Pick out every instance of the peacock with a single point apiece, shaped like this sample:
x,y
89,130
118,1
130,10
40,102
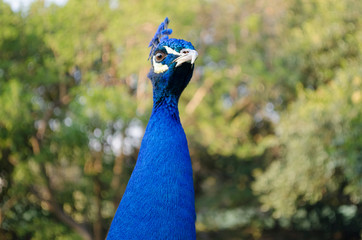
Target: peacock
x,y
159,201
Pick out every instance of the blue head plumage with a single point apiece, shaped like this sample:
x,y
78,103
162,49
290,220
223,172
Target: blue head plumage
x,y
172,63
159,201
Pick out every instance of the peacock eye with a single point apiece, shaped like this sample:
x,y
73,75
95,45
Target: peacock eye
x,y
159,56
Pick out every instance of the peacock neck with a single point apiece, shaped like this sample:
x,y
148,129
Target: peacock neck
x,y
159,201
166,106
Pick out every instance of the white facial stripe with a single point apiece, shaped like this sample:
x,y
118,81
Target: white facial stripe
x,y
171,51
159,67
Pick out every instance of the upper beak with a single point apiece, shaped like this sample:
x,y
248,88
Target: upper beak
x,y
188,55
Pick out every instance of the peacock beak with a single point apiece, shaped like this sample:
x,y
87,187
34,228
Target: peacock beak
x,y
186,55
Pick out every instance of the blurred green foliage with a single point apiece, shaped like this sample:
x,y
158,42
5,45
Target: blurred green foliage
x,y
273,115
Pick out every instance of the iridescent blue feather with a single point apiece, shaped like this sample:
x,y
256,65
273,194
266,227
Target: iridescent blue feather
x,y
161,35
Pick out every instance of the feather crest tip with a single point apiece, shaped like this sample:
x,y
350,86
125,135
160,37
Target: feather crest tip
x,y
160,35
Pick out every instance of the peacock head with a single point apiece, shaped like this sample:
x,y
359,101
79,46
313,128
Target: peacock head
x,y
172,63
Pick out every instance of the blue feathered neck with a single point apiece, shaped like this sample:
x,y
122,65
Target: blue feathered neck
x,y
159,201
167,88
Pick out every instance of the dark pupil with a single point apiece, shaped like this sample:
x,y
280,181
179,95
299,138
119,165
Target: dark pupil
x,y
159,56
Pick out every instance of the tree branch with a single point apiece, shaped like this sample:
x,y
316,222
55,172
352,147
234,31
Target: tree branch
x,y
58,211
198,97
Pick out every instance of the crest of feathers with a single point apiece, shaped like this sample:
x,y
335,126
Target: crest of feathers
x,y
161,34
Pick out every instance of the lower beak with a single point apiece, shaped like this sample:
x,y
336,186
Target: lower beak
x,y
190,56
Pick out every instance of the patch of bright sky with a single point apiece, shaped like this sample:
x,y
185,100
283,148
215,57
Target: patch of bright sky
x,y
20,5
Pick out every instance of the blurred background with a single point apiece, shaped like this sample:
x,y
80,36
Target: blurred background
x,y
273,115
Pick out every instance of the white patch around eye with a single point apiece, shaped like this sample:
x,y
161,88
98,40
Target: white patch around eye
x,y
171,51
159,67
